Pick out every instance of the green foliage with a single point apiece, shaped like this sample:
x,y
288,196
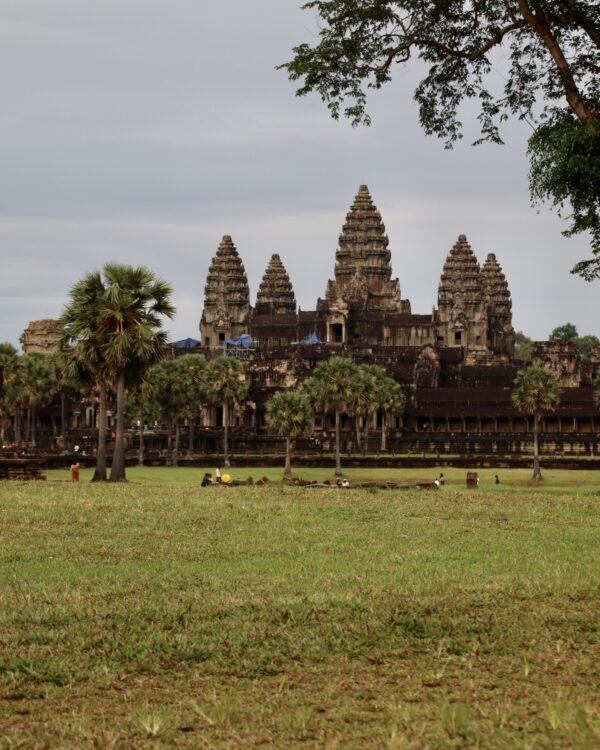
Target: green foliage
x,y
111,332
225,381
175,388
132,306
585,343
535,391
333,383
551,53
564,334
596,386
162,393
523,347
567,333
289,414
392,398
80,345
8,362
32,381
565,171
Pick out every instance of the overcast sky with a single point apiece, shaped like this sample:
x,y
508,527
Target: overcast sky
x,y
141,131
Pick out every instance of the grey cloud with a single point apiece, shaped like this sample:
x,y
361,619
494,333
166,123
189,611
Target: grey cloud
x,y
144,130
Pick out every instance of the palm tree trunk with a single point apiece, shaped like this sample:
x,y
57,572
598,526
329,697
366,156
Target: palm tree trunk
x,y
287,472
100,470
141,437
175,461
338,457
117,472
27,426
357,432
63,422
191,435
384,432
18,437
367,425
170,441
537,472
32,417
226,434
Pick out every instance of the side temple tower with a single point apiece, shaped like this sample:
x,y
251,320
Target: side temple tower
x,y
226,311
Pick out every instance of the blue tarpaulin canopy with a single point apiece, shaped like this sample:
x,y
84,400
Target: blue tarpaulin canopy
x,y
186,344
244,341
312,339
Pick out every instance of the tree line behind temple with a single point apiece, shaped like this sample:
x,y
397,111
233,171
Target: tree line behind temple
x,y
111,340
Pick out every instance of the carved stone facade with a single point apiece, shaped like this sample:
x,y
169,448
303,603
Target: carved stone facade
x,y
40,336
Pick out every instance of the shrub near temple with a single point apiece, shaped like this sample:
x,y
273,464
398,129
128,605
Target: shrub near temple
x,y
226,386
535,392
289,415
332,387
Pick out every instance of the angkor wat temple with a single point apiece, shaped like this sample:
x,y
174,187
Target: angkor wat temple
x,y
456,364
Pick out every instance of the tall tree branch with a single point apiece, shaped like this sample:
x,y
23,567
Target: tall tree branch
x,y
539,23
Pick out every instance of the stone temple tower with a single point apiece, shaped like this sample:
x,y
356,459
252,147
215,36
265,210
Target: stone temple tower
x,y
275,294
363,276
501,335
461,317
226,297
363,272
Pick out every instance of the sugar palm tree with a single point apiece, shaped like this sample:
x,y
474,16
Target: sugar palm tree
x,y
226,386
113,323
391,401
372,376
332,387
33,384
289,415
170,391
130,325
80,348
194,371
535,392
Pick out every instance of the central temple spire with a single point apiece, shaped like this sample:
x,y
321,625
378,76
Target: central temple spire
x,y
363,272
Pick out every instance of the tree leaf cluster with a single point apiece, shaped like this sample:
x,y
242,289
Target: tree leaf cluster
x,y
549,52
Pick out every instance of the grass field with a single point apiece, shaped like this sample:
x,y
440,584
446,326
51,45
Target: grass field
x,y
157,614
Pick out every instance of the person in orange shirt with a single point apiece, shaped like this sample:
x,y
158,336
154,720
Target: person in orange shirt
x,y
75,472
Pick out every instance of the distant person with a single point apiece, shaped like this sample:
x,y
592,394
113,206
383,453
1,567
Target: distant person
x,y
206,480
75,472
76,449
442,479
345,483
218,477
497,479
437,482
